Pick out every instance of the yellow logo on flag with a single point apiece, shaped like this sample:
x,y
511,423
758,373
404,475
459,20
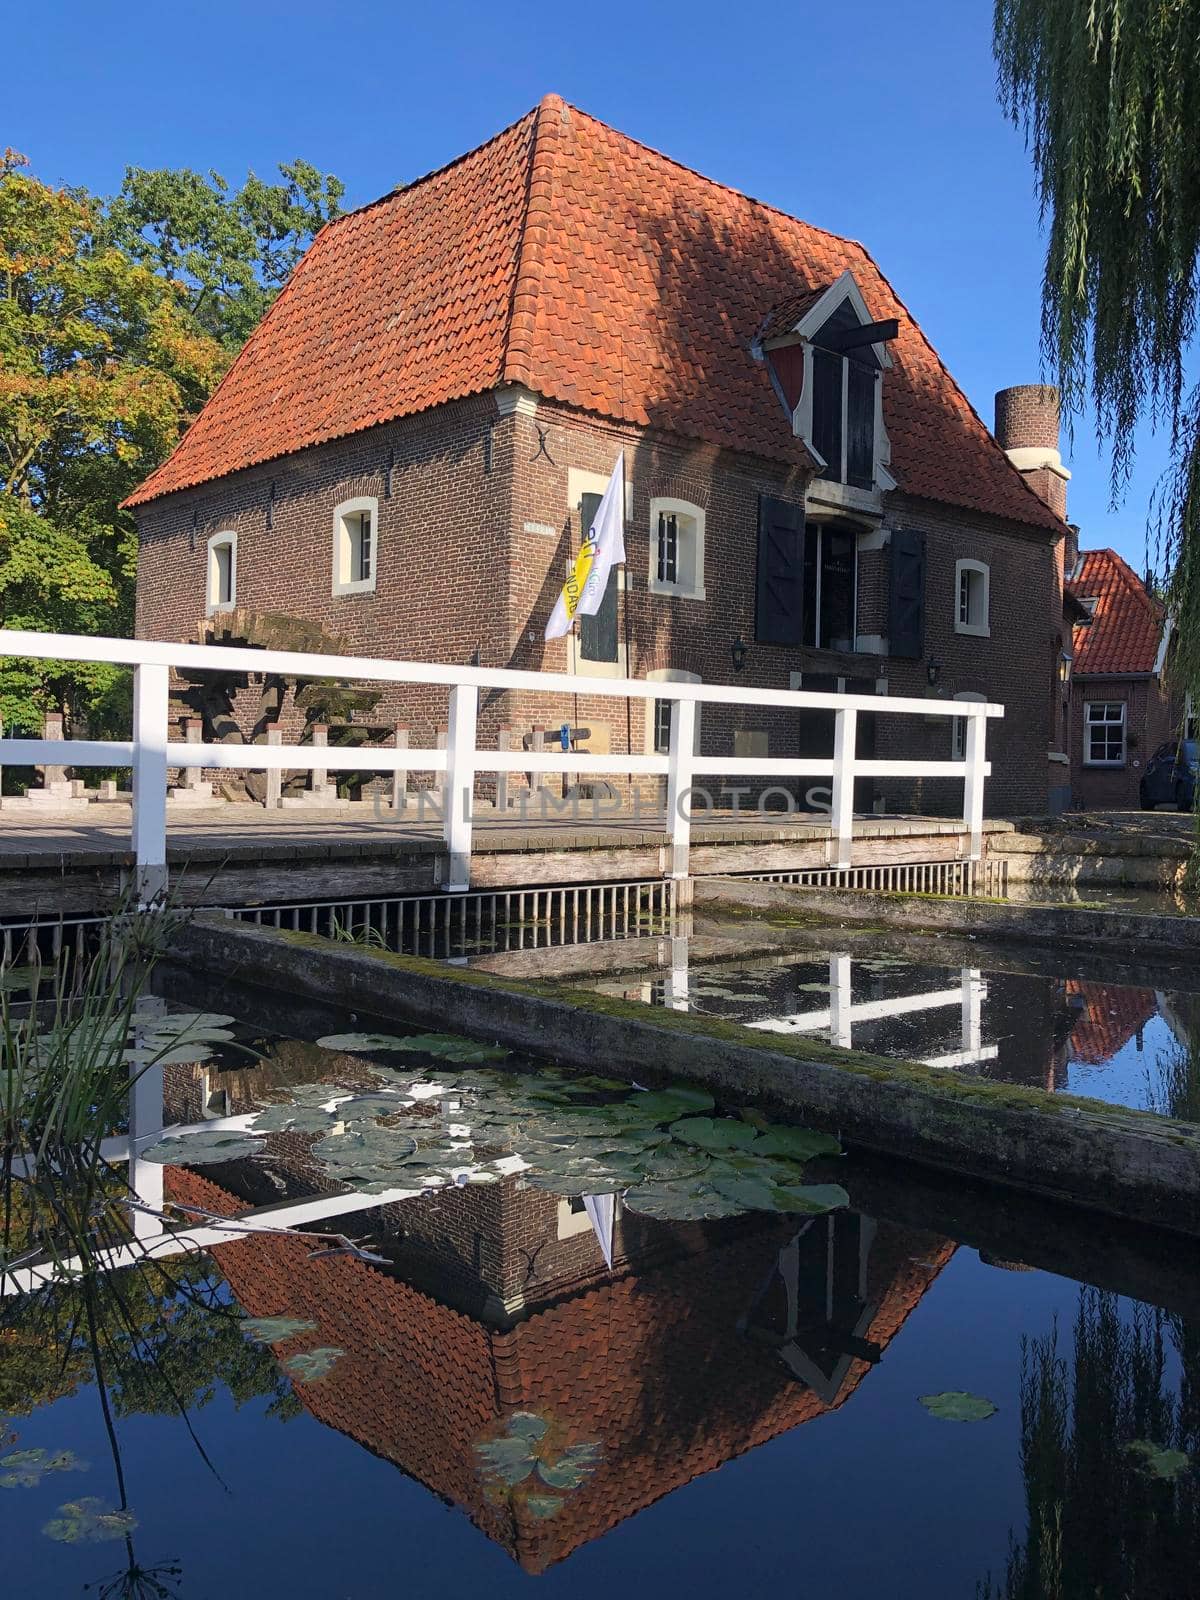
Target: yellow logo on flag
x,y
578,576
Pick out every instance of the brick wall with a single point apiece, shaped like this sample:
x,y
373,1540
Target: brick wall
x,y
474,541
1149,722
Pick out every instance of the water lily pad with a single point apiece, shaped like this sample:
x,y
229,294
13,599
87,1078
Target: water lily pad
x,y
293,1119
1155,1460
25,1469
544,1506
176,1022
798,1144
572,1187
674,1162
310,1366
812,1199
368,1107
714,1133
692,1202
199,1149
270,1330
572,1469
88,1520
685,1096
751,1194
446,1046
527,1425
364,1147
167,1054
956,1405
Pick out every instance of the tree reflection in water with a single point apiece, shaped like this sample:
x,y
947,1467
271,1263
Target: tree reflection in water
x,y
1102,1525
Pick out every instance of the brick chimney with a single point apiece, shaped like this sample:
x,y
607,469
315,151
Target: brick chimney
x,y
1027,432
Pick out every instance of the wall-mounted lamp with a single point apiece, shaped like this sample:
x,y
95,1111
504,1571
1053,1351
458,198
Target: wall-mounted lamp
x,y
1065,663
737,651
933,670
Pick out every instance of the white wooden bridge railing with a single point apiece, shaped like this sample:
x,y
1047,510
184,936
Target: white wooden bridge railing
x,y
151,753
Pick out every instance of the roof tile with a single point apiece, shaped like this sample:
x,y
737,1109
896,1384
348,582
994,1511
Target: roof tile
x,y
1126,627
564,256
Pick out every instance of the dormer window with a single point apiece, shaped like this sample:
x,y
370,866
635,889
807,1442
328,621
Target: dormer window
x,y
827,360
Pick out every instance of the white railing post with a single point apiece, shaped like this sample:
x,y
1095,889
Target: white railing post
x,y
842,808
973,786
841,1002
151,684
459,791
503,742
679,784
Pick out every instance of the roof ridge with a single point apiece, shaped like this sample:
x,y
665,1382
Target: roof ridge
x,y
682,166
516,358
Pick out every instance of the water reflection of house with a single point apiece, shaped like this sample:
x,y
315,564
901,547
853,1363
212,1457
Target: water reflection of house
x,y
705,1341
1108,1016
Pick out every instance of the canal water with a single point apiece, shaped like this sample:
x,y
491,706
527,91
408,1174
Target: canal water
x,y
527,1380
1126,1043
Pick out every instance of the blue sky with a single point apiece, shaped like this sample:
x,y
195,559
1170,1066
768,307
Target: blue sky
x,y
874,119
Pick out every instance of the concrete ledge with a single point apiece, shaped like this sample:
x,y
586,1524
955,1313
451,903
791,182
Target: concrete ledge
x,y
1168,936
1124,1163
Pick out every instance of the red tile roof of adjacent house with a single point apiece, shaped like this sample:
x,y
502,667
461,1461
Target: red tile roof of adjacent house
x,y
1109,1017
566,257
1127,621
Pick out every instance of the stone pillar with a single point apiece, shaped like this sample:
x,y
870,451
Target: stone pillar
x,y
400,775
193,733
52,728
537,743
319,786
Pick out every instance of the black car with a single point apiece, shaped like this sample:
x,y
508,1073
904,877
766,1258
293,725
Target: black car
x,y
1170,776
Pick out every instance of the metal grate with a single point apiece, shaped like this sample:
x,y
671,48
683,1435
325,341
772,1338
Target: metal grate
x,y
453,927
987,879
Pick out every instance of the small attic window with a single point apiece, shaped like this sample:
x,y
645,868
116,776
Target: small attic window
x,y
826,358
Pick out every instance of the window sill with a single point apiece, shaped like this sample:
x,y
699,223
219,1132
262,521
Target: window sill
x,y
971,631
342,589
671,590
223,608
1106,766
844,497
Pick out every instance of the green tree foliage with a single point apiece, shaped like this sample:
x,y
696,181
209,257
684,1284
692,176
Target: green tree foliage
x,y
1108,93
117,320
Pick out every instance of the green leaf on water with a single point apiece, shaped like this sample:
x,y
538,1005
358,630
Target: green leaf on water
x,y
667,1104
25,1469
293,1119
1153,1459
310,1366
714,1133
270,1330
797,1144
199,1149
572,1469
445,1046
177,1022
956,1405
682,1202
527,1425
812,1199
544,1506
87,1520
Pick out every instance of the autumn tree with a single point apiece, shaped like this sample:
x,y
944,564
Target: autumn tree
x,y
117,320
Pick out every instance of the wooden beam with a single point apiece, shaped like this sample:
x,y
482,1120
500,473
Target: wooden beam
x,y
870,333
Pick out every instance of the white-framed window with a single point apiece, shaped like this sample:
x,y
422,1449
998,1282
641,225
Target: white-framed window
x,y
676,549
958,727
355,545
658,712
1104,733
972,598
222,572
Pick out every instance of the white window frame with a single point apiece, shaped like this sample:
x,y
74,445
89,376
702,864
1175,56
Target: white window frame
x,y
1090,722
977,629
668,675
343,546
227,539
958,726
689,549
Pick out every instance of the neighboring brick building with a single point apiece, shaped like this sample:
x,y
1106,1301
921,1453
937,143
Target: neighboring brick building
x,y
1121,709
405,448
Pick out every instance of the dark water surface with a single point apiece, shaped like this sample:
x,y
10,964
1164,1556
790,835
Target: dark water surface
x,y
1127,1043
734,1407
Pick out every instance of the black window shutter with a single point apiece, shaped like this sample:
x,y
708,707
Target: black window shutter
x,y
598,634
860,426
827,411
906,608
780,618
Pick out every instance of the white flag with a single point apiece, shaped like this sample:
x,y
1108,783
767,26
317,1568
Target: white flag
x,y
603,548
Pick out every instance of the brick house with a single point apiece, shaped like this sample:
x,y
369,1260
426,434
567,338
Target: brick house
x,y
1121,706
404,450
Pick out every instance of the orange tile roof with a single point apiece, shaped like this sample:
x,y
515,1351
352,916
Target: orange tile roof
x,y
1127,623
564,256
651,1364
1109,1017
